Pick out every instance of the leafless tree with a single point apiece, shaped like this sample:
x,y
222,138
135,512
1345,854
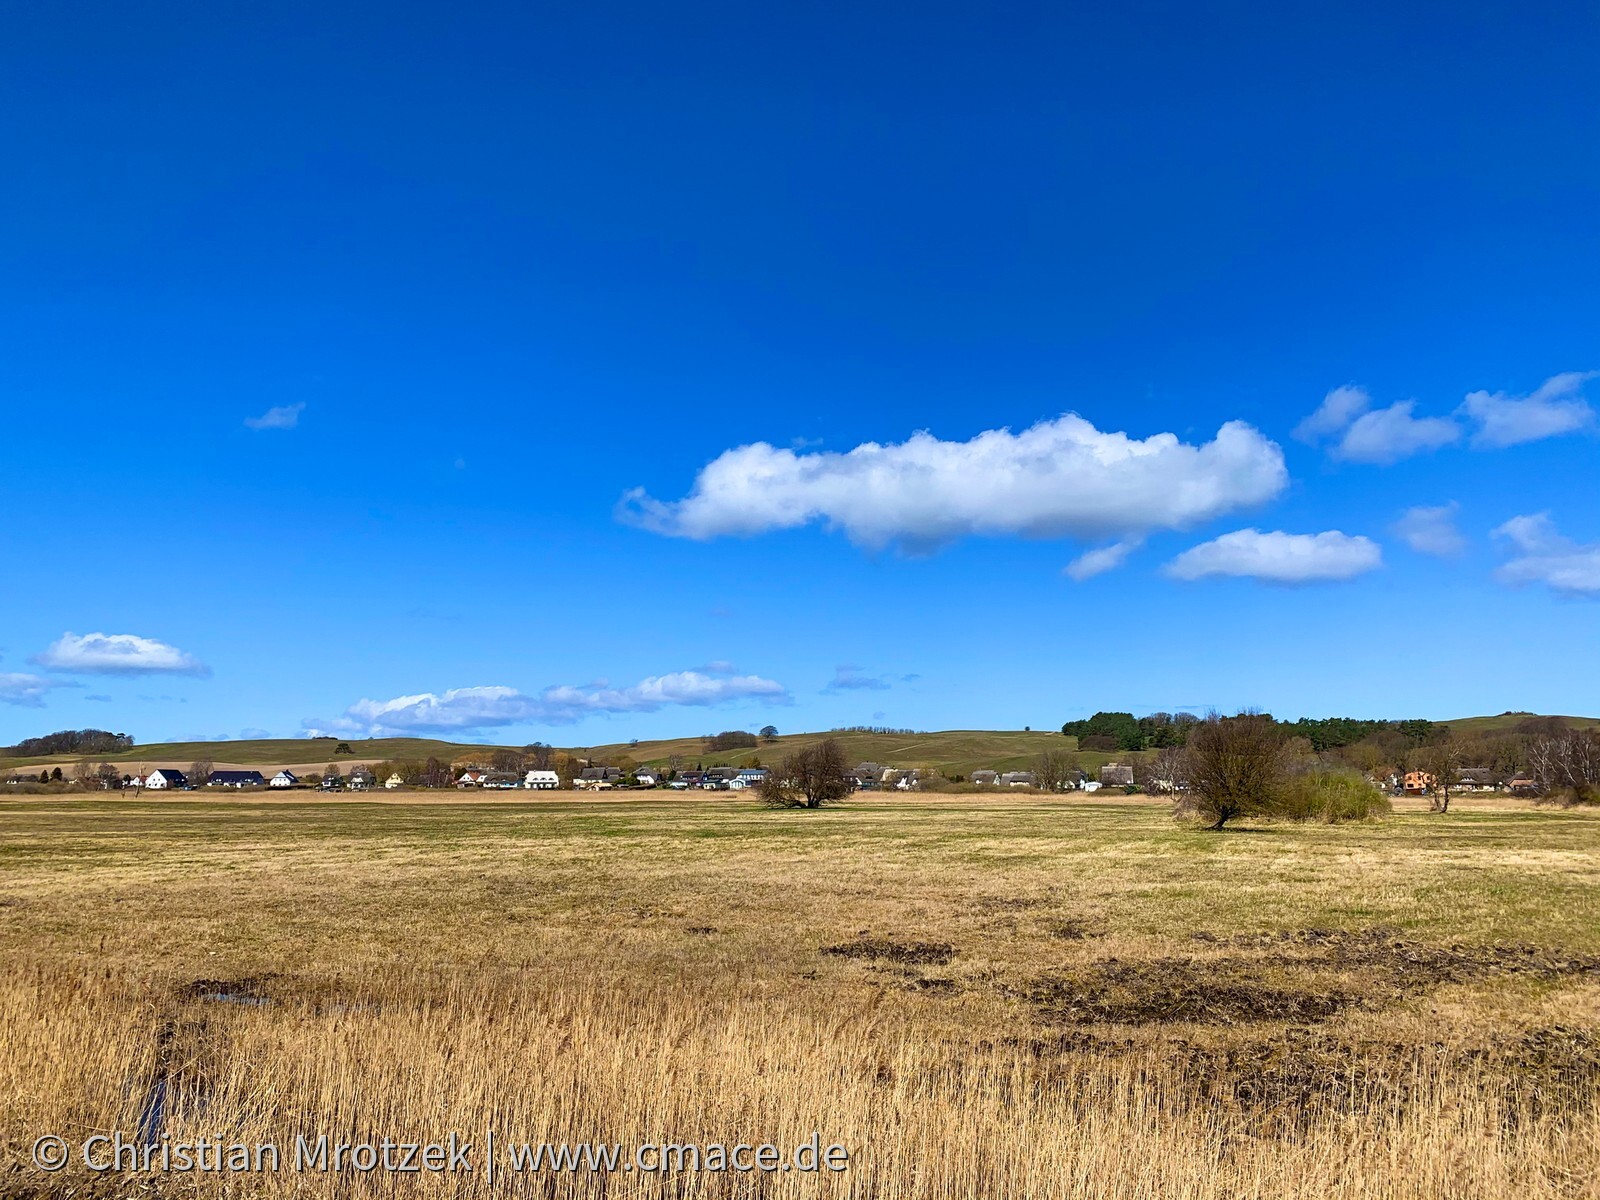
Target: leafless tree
x,y
200,771
1567,762
808,778
1235,766
1053,770
1442,760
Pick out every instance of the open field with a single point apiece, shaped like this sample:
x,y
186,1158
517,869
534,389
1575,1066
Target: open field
x,y
976,997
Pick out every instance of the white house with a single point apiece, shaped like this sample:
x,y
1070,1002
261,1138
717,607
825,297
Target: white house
x,y
284,779
646,778
167,777
360,779
393,781
541,779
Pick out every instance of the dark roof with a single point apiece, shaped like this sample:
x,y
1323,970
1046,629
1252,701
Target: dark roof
x,y
235,777
170,774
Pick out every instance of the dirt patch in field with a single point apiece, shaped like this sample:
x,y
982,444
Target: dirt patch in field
x,y
1284,1079
1301,977
1074,930
250,989
933,954
1164,990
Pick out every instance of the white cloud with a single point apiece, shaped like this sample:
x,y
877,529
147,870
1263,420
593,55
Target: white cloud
x,y
285,416
1431,530
1554,409
1542,555
486,707
1338,408
26,691
117,654
1279,557
1098,561
1391,434
1059,478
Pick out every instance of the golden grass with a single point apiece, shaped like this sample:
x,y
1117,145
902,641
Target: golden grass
x,y
628,971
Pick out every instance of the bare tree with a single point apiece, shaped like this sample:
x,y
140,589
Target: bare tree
x,y
1442,760
1054,769
1567,762
808,778
1168,771
1235,766
200,771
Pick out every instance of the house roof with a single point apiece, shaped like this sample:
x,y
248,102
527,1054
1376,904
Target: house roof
x,y
234,777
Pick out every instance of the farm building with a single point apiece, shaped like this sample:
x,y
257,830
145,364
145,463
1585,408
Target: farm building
x,y
360,779
394,781
986,778
284,779
1116,775
166,777
1017,779
541,779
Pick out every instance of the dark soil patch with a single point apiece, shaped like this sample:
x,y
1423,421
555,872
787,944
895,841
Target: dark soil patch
x,y
933,954
1164,990
938,986
251,989
701,930
1408,965
1074,930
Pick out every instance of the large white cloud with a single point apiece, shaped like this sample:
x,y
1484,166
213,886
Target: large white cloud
x,y
1555,408
1279,557
1431,530
117,654
1388,435
488,707
1541,555
1059,478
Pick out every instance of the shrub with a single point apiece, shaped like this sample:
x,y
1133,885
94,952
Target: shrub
x,y
1331,796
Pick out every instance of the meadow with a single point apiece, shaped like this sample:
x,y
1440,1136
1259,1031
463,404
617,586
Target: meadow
x,y
998,996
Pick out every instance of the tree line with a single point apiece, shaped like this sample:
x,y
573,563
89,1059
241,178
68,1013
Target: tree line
x,y
70,741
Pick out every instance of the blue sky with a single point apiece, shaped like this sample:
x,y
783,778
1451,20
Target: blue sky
x,y
587,372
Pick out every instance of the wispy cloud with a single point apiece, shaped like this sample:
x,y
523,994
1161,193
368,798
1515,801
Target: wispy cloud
x,y
1338,408
1279,557
1431,530
1541,555
1097,562
285,416
25,691
489,707
848,677
1388,435
1557,407
1060,478
117,654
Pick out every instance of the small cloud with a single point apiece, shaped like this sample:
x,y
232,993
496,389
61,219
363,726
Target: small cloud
x,y
98,698
1431,530
25,691
461,463
1542,555
1279,557
117,654
848,678
1555,408
719,666
285,416
1390,434
253,735
1338,408
1098,562
911,678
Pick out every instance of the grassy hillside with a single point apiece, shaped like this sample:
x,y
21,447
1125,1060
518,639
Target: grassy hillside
x,y
270,752
951,751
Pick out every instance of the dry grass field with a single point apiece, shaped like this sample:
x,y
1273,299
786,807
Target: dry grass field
x,y
977,997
